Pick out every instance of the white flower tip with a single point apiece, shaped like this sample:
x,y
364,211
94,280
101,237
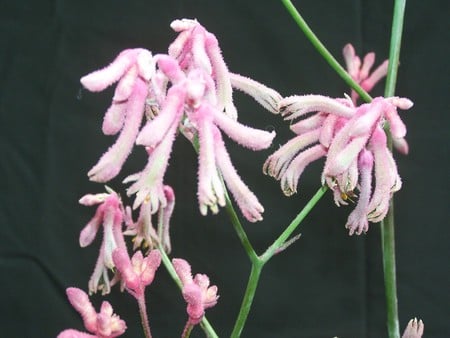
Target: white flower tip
x,y
183,24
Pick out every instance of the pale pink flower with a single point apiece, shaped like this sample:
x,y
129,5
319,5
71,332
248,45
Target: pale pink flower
x,y
190,90
414,329
138,272
145,235
109,215
354,144
133,68
104,324
361,71
196,291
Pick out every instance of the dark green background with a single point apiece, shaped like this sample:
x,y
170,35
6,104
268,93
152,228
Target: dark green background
x,y
328,284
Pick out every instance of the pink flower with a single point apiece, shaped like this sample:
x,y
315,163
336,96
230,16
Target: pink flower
x,y
138,272
132,69
109,214
190,90
196,291
360,72
354,144
104,324
145,235
414,329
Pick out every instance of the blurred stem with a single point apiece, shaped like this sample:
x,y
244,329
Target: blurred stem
x,y
388,225
323,51
206,326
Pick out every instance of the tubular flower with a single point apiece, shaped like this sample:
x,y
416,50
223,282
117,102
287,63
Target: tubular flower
x,y
109,214
354,144
360,72
145,235
196,291
104,324
189,89
138,272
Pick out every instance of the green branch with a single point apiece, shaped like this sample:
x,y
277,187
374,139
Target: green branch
x,y
324,52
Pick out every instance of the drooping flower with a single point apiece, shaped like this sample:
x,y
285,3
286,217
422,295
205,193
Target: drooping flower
x,y
196,291
104,324
109,215
354,143
414,329
145,235
138,272
189,89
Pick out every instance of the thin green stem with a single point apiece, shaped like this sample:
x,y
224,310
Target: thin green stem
x,y
323,51
239,228
247,301
206,326
281,240
388,224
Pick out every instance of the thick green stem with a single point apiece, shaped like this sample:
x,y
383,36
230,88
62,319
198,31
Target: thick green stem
x,y
388,225
248,298
323,51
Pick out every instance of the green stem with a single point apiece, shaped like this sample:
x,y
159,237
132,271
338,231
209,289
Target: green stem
x,y
239,228
323,51
281,240
248,298
388,224
206,326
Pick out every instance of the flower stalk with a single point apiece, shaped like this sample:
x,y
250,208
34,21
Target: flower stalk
x,y
329,58
387,225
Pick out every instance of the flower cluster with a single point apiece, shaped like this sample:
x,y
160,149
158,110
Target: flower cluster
x,y
354,143
188,89
104,324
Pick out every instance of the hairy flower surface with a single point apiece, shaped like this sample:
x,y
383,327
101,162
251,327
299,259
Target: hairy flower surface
x,y
104,324
353,141
361,71
189,89
196,291
109,215
139,271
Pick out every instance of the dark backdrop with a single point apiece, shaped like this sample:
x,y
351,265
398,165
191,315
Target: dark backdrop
x,y
328,283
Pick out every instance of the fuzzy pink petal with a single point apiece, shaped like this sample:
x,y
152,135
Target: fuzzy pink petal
x,y
80,302
244,197
289,179
210,188
123,264
277,163
100,79
310,123
183,270
295,106
357,220
151,263
114,118
111,162
251,138
379,73
155,130
265,96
